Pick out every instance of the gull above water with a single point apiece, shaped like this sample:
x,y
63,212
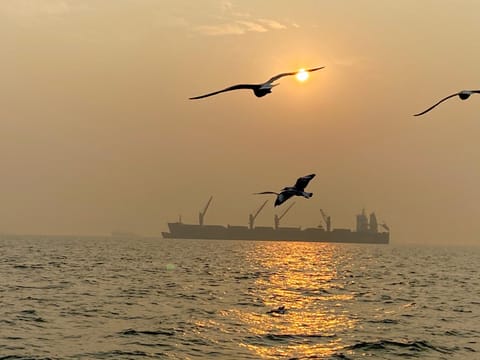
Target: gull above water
x,y
258,89
296,190
464,95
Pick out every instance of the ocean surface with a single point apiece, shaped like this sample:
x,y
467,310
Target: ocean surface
x,y
207,299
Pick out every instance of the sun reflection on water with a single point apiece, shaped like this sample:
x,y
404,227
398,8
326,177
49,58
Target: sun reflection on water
x,y
303,278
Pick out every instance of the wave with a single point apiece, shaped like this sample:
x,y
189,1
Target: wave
x,y
384,321
421,345
133,332
121,354
296,336
26,357
282,338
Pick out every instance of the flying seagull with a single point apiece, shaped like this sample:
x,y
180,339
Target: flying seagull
x,y
464,95
296,190
258,89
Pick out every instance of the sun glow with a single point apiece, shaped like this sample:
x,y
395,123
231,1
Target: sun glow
x,y
302,75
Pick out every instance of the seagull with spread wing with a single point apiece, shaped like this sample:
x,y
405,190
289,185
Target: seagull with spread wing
x,y
258,89
464,95
296,190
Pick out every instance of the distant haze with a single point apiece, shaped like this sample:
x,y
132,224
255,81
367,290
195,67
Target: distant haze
x,y
97,133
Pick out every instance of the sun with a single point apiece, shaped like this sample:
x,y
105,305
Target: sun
x,y
302,75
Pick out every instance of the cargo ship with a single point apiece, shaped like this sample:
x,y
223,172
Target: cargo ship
x,y
368,230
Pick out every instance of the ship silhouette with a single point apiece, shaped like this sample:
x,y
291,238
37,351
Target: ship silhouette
x,y
367,230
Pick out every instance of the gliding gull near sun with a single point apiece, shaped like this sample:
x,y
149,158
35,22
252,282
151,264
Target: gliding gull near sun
x,y
464,95
258,89
296,190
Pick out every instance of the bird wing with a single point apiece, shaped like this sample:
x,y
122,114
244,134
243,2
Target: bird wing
x,y
267,192
234,87
276,77
438,103
302,182
283,196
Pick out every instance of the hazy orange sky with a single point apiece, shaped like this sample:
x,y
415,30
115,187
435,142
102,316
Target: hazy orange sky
x,y
97,132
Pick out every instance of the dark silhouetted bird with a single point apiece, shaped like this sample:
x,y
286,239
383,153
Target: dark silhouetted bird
x,y
258,89
464,95
296,190
280,310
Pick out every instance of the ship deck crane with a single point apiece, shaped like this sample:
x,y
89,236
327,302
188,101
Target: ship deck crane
x,y
251,218
201,214
385,226
326,219
277,218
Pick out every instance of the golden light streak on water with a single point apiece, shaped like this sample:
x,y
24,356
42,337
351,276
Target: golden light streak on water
x,y
305,350
301,277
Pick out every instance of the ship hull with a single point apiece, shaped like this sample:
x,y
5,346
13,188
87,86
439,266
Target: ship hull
x,y
219,232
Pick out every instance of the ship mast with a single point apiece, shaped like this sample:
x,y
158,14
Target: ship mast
x,y
277,218
251,218
326,219
201,214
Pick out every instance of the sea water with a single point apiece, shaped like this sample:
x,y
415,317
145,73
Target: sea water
x,y
65,298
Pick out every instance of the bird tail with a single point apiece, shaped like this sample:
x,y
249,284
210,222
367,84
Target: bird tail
x,y
308,195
